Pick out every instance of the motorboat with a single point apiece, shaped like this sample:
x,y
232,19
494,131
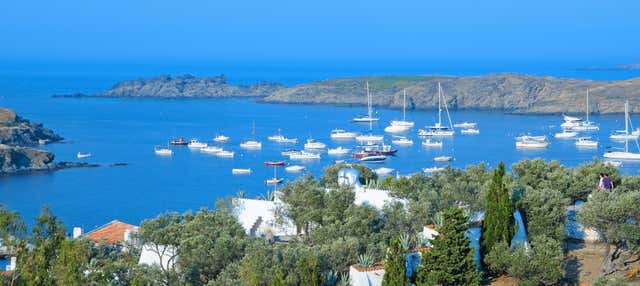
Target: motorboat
x,y
221,139
238,171
273,181
431,143
313,144
431,170
340,134
568,118
369,116
277,163
586,142
195,144
470,131
211,149
402,141
466,125
531,138
294,168
383,171
288,152
438,129
373,159
338,151
565,134
625,154
369,138
443,158
397,128
281,139
382,149
401,123
569,125
81,155
251,144
531,142
163,151
625,135
302,155
225,154
179,141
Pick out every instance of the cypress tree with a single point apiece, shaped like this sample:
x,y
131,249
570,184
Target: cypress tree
x,y
498,224
308,270
395,265
451,260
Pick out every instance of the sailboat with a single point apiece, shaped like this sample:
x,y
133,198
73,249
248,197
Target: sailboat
x,y
586,125
438,129
275,180
624,155
369,117
253,143
281,139
401,125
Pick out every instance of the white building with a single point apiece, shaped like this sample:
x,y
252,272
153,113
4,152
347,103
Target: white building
x,y
258,218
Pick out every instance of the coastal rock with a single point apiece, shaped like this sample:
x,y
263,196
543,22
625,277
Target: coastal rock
x,y
513,93
20,159
185,86
17,131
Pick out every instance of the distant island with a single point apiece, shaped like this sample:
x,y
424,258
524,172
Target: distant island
x,y
623,67
508,92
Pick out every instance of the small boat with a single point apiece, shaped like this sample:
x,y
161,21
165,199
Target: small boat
x,y
402,141
338,151
569,125
163,151
625,135
431,143
397,128
565,134
281,139
624,155
585,125
221,139
568,118
438,129
302,155
369,116
465,125
531,142
195,144
81,155
616,164
403,122
278,163
443,158
238,171
273,181
370,138
383,171
313,144
294,168
340,134
225,154
586,142
251,144
432,170
180,141
470,131
531,138
288,152
211,149
373,159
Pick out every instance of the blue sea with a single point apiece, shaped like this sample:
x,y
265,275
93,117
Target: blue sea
x,y
126,130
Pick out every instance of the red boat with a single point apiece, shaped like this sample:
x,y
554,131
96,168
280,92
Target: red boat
x,y
180,141
279,163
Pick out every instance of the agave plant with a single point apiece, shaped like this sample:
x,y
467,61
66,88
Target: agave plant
x,y
439,220
365,260
408,241
345,279
331,278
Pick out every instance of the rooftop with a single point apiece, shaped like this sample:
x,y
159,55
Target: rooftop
x,y
111,232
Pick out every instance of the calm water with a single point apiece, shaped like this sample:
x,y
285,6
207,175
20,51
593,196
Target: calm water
x,y
125,130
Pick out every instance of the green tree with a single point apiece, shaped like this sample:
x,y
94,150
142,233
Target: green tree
x,y
330,176
498,224
450,261
545,212
585,178
304,203
308,270
278,278
395,265
72,262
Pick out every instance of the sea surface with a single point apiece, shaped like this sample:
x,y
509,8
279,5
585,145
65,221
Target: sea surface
x,y
126,131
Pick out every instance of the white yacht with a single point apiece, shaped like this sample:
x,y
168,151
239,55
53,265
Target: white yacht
x,y
586,125
369,117
302,155
625,154
225,154
289,152
221,139
397,128
465,125
313,144
193,143
531,142
625,135
81,155
294,168
470,131
281,139
443,158
163,151
399,140
370,138
211,149
240,171
565,134
252,144
340,134
403,122
586,142
438,129
338,151
431,143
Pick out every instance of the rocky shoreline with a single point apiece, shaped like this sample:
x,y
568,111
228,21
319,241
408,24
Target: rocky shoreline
x,y
507,92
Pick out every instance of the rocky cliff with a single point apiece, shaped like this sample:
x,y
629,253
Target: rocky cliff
x,y
184,86
515,93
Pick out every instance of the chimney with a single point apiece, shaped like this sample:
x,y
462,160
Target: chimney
x,y
77,232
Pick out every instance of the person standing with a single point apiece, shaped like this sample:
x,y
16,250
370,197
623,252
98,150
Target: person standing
x,y
607,182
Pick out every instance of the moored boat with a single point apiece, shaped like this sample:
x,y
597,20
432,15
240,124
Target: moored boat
x,y
294,168
163,151
314,144
211,149
81,155
303,155
402,141
432,169
586,142
179,141
369,117
338,151
221,139
195,144
275,163
443,158
465,125
373,159
565,134
431,143
340,134
625,154
240,171
225,154
470,131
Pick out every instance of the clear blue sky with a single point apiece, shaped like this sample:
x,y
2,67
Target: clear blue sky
x,y
584,32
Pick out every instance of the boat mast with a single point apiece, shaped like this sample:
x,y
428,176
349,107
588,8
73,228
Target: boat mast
x,y
404,104
253,131
626,126
368,102
587,105
439,106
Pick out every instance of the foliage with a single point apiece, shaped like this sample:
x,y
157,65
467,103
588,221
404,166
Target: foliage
x,y
395,265
365,260
498,224
545,212
450,261
308,270
330,177
304,203
585,178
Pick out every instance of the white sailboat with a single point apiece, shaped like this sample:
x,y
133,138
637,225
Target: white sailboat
x,y
403,122
338,151
565,134
163,151
281,139
400,140
586,125
240,171
195,144
438,129
340,134
253,143
431,143
586,142
369,117
531,142
314,144
221,138
624,155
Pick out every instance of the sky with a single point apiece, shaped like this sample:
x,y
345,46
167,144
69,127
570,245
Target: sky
x,y
297,31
